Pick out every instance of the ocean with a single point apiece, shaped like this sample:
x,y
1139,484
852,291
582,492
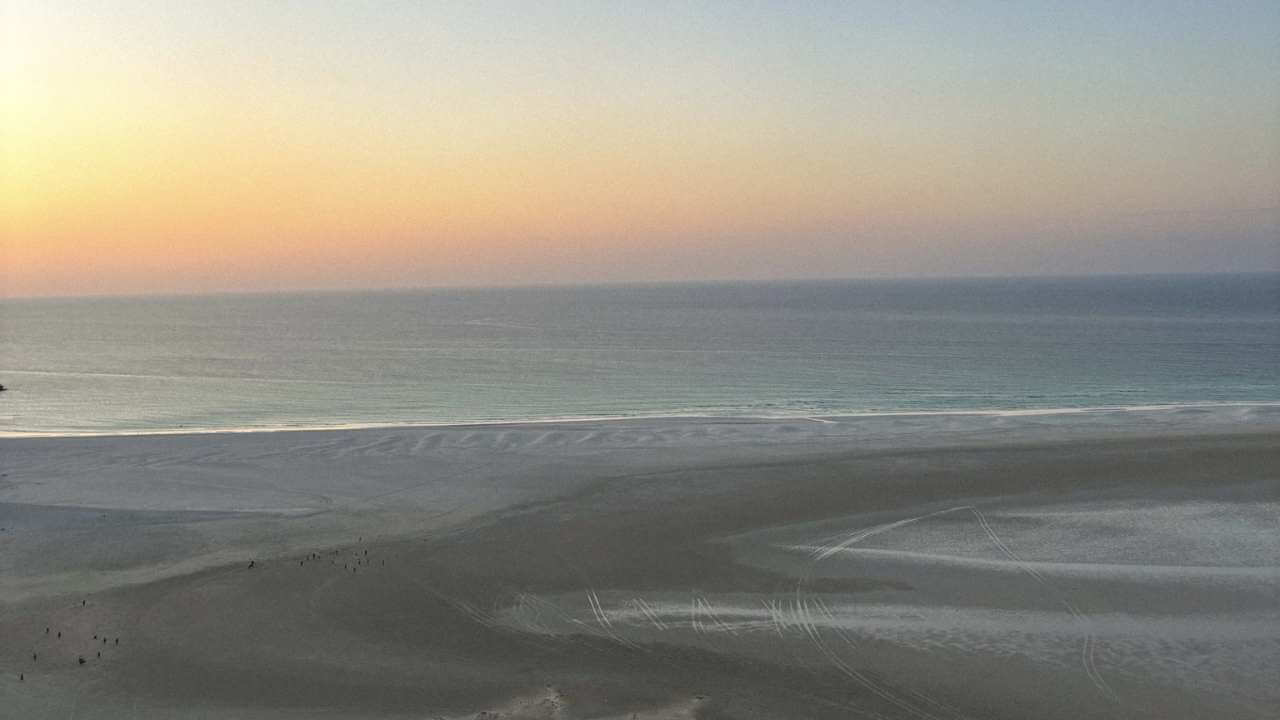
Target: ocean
x,y
816,348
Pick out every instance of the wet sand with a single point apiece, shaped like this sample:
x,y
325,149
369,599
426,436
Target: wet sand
x,y
824,568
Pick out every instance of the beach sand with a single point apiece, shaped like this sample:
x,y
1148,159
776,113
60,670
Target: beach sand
x,y
912,567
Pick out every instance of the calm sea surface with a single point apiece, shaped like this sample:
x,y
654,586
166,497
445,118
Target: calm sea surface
x,y
811,348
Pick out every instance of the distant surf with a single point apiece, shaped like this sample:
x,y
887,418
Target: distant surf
x,y
1031,347
1197,417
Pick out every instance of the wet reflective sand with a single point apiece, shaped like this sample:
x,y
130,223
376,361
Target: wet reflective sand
x,y
678,568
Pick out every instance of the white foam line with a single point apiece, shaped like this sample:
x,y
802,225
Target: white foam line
x,y
832,418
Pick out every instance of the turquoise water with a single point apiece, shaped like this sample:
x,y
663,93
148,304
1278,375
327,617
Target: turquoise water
x,y
803,348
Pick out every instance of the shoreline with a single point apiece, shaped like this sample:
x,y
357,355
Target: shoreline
x,y
1101,410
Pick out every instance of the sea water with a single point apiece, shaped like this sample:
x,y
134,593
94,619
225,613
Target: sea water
x,y
816,348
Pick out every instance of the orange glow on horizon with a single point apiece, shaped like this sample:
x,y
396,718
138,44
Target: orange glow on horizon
x,y
136,163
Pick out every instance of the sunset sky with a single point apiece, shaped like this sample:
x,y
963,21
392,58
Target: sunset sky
x,y
190,147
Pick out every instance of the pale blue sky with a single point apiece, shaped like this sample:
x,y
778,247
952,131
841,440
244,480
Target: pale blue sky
x,y
583,142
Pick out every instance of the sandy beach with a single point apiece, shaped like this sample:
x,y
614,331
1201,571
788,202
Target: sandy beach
x,y
1103,565
640,361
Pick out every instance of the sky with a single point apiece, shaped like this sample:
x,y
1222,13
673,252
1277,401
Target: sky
x,y
159,147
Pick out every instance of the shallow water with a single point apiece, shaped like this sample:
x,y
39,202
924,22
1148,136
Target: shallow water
x,y
813,348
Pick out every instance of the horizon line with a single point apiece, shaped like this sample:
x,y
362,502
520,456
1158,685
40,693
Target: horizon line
x,y
391,289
